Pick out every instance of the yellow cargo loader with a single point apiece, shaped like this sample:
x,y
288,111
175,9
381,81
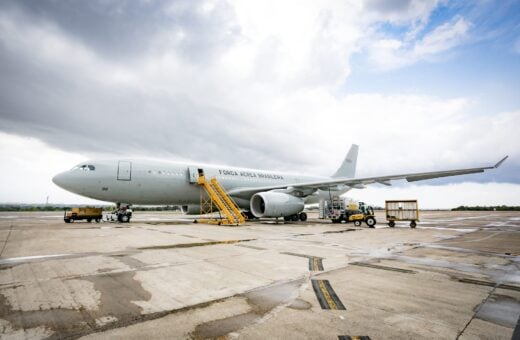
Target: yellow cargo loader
x,y
338,210
89,214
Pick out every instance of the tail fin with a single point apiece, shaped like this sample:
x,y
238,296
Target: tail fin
x,y
348,167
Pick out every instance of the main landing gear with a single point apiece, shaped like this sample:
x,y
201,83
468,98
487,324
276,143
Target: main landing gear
x,y
294,218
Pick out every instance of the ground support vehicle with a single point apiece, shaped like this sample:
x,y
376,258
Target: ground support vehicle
x,y
402,210
122,215
83,213
340,210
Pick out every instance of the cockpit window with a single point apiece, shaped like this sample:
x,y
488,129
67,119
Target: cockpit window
x,y
84,167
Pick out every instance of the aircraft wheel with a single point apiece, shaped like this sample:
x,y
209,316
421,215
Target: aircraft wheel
x,y
371,222
303,217
294,218
287,218
357,223
391,224
413,224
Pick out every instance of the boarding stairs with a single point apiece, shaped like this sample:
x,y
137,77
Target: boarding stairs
x,y
217,196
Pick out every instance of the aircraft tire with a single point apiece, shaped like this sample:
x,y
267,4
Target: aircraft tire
x,y
303,217
294,218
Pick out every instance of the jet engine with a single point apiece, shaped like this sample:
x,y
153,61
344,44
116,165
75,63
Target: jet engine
x,y
192,209
275,204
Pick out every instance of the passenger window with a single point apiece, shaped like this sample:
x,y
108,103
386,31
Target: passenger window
x,y
91,167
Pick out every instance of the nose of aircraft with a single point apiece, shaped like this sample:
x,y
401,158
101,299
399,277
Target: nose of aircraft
x,y
60,180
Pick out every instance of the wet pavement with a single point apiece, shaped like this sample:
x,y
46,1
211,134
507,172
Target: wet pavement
x,y
456,276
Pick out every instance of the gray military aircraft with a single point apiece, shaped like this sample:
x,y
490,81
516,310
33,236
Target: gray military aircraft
x,y
258,192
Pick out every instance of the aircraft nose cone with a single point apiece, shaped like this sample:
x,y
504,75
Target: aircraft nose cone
x,y
59,180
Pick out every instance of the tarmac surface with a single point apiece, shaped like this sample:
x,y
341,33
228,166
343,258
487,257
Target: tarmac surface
x,y
456,276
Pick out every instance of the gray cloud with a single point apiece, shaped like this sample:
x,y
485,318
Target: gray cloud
x,y
126,29
386,7
140,78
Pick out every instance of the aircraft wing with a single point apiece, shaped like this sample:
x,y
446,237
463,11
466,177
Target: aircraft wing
x,y
310,187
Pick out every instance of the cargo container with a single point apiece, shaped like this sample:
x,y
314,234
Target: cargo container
x,y
402,210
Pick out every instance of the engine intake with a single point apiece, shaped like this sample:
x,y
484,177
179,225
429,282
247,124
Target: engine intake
x,y
275,204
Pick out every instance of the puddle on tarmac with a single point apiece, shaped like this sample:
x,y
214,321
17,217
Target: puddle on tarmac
x,y
261,301
218,328
501,310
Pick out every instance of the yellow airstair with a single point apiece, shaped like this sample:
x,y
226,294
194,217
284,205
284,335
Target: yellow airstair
x,y
217,197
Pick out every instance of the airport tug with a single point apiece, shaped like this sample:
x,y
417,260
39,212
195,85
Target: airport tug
x,y
340,210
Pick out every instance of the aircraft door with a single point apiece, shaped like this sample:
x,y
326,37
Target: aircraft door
x,y
124,171
194,173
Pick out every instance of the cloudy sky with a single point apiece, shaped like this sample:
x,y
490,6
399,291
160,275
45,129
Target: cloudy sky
x,y
288,85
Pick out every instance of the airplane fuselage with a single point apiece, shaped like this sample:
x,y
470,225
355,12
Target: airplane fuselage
x,y
154,182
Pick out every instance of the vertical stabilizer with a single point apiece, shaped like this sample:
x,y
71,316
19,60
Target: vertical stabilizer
x,y
348,166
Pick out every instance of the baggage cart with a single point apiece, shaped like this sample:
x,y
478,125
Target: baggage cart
x,y
402,210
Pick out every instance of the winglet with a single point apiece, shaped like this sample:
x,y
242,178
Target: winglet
x,y
500,162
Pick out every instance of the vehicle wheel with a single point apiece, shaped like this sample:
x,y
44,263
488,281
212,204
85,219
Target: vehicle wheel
x,y
124,218
294,218
89,220
336,220
98,220
67,220
371,222
391,224
357,223
71,220
303,217
413,224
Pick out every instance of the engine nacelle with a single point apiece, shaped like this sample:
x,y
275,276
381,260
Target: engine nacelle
x,y
275,204
192,209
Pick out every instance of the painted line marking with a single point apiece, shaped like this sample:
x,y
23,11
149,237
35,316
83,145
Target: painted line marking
x,y
315,264
353,337
326,295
